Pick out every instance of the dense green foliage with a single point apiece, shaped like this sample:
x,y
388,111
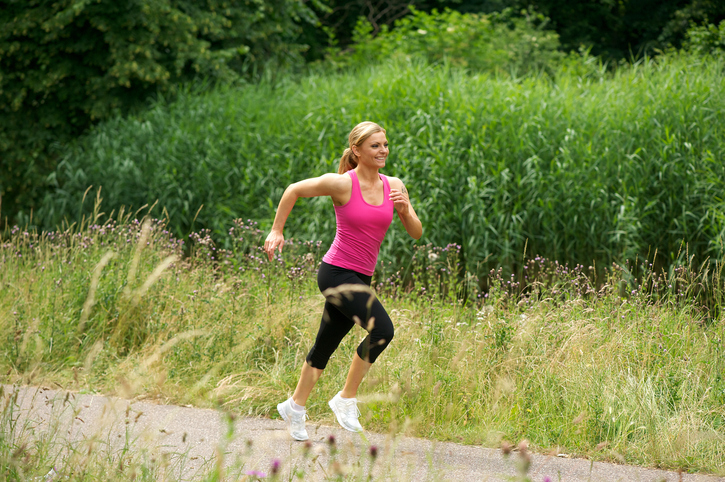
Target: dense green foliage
x,y
497,43
707,39
582,169
65,64
338,22
613,30
633,375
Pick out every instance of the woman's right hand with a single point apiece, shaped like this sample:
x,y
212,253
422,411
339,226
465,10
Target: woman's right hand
x,y
275,240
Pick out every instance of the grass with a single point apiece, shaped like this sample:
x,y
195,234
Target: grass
x,y
618,364
584,167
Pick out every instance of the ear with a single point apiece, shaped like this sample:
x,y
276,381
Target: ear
x,y
354,151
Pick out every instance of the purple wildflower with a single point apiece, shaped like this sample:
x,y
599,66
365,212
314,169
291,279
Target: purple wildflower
x,y
275,466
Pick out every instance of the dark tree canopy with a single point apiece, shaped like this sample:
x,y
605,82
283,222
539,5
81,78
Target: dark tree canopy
x,y
626,28
65,64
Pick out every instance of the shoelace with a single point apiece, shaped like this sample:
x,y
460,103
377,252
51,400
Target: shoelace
x,y
351,410
298,417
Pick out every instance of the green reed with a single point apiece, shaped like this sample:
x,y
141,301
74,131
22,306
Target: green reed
x,y
585,167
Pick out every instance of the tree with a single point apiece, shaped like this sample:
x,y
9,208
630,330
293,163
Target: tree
x,y
695,13
65,64
625,28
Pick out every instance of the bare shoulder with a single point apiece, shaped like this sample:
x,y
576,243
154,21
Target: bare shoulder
x,y
337,182
335,177
324,185
337,186
328,181
396,183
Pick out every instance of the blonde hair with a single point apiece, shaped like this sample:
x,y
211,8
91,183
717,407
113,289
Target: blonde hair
x,y
357,136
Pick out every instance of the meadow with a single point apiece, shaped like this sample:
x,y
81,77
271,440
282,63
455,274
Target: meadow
x,y
608,366
580,163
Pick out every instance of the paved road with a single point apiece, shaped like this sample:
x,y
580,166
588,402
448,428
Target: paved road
x,y
194,440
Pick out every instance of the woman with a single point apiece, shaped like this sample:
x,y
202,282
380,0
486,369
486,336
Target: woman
x,y
364,202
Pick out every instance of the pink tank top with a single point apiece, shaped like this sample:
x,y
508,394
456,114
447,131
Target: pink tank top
x,y
361,228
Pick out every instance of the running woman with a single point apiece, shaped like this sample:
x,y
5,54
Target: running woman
x,y
364,202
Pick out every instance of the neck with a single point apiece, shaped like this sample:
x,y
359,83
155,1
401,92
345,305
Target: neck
x,y
367,174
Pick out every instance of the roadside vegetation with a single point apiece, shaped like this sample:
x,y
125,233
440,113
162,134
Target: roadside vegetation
x,y
585,168
615,367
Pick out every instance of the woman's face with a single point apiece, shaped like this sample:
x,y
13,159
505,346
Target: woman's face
x,y
374,150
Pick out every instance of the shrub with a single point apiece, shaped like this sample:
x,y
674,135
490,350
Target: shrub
x,y
500,42
707,39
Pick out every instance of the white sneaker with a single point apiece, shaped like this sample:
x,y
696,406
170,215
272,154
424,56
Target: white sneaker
x,y
295,419
346,412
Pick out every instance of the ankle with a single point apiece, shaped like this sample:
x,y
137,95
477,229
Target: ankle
x,y
295,406
347,396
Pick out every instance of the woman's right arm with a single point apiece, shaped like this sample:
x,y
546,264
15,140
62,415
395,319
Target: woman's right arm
x,y
326,185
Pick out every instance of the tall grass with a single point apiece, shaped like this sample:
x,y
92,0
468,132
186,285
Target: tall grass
x,y
628,368
588,168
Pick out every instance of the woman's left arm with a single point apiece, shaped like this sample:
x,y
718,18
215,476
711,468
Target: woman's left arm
x,y
406,213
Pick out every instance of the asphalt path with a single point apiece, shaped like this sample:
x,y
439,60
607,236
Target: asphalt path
x,y
193,441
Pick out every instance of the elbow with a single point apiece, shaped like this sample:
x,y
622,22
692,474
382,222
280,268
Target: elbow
x,y
292,192
412,225
417,233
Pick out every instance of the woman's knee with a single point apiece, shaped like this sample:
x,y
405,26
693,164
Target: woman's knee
x,y
375,343
382,327
384,333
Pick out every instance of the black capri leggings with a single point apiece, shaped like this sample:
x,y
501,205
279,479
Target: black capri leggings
x,y
345,309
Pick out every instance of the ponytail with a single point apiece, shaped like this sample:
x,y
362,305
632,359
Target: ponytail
x,y
357,136
348,161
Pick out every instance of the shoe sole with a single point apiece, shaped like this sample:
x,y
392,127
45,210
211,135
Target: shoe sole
x,y
332,407
286,419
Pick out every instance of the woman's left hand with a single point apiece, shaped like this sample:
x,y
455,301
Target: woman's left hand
x,y
400,200
405,210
